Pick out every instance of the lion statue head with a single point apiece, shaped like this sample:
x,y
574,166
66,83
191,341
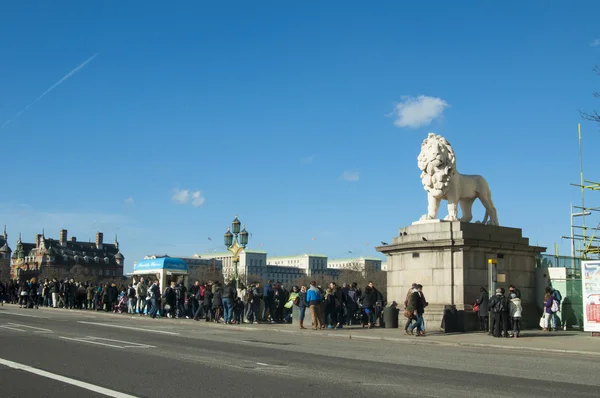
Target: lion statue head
x,y
437,163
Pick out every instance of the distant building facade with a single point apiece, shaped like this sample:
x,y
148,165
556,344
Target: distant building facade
x,y
360,264
311,263
288,269
277,273
248,258
47,257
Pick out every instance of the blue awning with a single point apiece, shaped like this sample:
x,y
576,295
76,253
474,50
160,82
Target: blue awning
x,y
167,264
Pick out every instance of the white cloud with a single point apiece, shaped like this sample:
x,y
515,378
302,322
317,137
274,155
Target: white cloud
x,y
418,111
595,43
308,159
183,196
197,199
351,176
129,200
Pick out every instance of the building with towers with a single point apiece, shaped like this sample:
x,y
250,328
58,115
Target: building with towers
x,y
64,257
5,253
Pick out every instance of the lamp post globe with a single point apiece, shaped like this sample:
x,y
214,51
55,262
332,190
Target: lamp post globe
x,y
235,225
244,237
228,237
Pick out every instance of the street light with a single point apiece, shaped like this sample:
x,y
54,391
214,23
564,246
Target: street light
x,y
235,245
19,273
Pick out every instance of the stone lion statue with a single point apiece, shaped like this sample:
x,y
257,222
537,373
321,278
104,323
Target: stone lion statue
x,y
442,181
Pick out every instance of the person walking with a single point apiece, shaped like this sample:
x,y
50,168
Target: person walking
x,y
313,298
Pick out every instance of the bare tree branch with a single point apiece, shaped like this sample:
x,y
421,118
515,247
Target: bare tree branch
x,y
592,116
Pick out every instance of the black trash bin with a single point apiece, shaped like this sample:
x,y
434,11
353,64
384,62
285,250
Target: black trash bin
x,y
390,317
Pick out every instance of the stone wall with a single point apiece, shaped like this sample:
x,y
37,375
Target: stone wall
x,y
450,260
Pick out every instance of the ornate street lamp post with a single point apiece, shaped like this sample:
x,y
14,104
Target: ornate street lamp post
x,y
235,245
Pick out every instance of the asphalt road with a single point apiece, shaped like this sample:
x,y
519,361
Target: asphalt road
x,y
155,358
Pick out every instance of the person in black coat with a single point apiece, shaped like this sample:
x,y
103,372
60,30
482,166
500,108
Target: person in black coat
x,y
483,313
339,301
369,298
170,299
218,302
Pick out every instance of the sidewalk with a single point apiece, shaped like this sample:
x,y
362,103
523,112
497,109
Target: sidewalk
x,y
563,342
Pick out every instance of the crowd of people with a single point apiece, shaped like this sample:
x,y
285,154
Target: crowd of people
x,y
500,314
331,307
67,294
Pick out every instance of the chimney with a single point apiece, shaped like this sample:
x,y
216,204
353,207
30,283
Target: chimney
x,y
63,237
99,239
38,238
73,239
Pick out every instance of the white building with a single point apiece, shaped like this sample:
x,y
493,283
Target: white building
x,y
248,258
309,263
362,264
276,273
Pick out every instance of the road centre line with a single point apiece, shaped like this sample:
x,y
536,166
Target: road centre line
x,y
129,327
73,382
32,327
11,328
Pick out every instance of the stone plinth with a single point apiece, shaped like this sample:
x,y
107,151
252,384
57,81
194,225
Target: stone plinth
x,y
450,260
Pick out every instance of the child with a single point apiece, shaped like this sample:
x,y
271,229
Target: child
x,y
516,312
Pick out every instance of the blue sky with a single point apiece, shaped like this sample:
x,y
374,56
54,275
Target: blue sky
x,y
283,112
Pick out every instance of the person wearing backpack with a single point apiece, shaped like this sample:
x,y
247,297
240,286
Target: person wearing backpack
x,y
498,305
555,320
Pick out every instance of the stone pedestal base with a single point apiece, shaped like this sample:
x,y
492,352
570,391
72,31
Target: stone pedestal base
x,y
450,260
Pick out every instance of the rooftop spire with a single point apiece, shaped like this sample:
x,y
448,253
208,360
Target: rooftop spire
x,y
116,241
5,234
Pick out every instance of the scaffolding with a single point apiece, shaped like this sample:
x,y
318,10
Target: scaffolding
x,y
585,240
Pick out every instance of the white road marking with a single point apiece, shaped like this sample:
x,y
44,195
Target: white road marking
x,y
11,328
107,343
381,385
272,366
120,341
73,382
31,327
18,314
90,342
129,327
